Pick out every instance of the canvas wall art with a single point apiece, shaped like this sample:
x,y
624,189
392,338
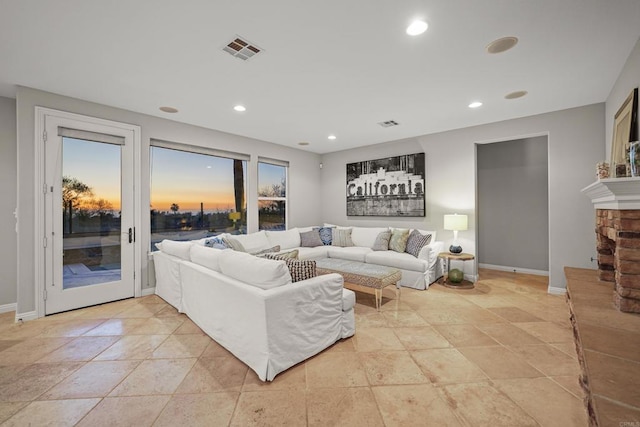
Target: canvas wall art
x,y
394,186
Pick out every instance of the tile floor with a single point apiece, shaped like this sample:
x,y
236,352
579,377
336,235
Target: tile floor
x,y
499,354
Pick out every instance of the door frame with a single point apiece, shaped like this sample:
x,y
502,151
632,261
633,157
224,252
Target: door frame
x,y
547,134
41,114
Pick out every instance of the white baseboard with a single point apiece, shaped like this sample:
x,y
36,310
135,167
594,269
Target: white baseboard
x,y
148,291
514,269
557,291
29,315
5,308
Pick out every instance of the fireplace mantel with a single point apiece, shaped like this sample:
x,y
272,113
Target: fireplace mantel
x,y
614,193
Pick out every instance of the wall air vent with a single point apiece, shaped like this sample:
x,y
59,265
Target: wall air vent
x,y
388,123
241,48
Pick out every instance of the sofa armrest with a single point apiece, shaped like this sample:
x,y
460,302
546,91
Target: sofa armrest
x,y
430,253
302,319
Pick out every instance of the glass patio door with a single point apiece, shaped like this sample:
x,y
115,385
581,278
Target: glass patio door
x,y
89,232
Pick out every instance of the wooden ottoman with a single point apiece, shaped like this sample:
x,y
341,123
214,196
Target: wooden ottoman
x,y
362,277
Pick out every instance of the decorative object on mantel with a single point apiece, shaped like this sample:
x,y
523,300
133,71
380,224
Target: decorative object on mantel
x,y
634,158
602,170
625,130
456,223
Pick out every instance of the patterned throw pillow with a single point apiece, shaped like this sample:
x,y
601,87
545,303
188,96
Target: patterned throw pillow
x,y
271,250
216,242
283,256
325,234
341,237
301,270
310,239
417,241
382,241
398,241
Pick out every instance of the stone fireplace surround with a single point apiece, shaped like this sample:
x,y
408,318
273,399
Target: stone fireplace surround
x,y
617,204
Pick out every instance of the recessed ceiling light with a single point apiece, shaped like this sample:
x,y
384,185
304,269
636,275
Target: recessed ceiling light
x,y
240,108
475,104
502,44
417,27
516,94
168,109
331,137
303,143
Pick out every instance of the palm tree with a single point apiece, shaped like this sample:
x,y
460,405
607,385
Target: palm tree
x,y
238,185
175,208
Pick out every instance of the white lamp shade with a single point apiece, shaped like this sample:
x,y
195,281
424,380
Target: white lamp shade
x,y
455,222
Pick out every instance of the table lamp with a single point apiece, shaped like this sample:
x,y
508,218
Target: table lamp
x,y
235,216
455,222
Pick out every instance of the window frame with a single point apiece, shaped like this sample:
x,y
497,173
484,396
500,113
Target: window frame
x,y
200,150
285,199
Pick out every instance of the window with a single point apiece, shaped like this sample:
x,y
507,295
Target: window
x,y
195,194
272,195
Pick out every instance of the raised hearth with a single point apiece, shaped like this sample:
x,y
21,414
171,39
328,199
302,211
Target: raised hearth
x,y
617,203
608,347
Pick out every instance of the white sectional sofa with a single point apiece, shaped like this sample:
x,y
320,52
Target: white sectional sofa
x,y
417,272
250,306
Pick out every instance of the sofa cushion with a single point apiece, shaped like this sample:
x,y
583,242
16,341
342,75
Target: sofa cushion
x,y
318,252
341,237
287,239
310,239
382,241
399,260
353,253
301,269
398,241
366,236
206,257
251,243
416,242
175,248
260,272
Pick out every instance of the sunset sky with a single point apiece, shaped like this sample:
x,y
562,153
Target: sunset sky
x,y
176,176
188,179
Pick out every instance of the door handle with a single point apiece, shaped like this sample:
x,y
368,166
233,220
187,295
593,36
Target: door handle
x,y
130,235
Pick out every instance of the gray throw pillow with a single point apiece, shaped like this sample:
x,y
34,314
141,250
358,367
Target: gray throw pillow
x,y
416,242
382,241
310,239
233,244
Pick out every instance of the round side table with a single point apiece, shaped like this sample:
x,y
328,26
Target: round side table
x,y
448,256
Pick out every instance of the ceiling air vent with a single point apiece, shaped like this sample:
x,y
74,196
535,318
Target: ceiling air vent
x,y
388,123
241,48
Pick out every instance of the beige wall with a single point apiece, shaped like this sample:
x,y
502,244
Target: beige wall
x,y
576,143
8,258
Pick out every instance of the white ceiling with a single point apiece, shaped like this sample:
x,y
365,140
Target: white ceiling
x,y
328,67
